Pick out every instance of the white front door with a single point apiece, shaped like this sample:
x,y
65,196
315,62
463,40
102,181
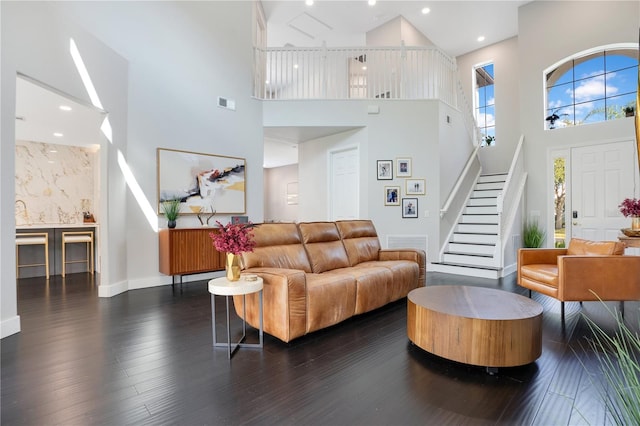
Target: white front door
x,y
343,186
602,176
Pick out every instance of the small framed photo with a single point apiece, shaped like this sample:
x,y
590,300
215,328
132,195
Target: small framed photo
x,y
415,187
385,170
391,195
403,167
410,207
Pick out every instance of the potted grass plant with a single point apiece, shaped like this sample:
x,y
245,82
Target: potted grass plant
x,y
618,355
533,235
171,210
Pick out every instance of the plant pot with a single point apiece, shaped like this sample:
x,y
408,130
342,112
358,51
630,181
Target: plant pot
x,y
232,267
171,224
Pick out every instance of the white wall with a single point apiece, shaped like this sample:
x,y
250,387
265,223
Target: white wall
x,y
394,32
175,78
35,42
401,129
174,59
569,27
504,56
276,181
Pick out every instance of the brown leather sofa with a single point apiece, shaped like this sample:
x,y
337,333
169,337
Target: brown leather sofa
x,y
317,274
585,271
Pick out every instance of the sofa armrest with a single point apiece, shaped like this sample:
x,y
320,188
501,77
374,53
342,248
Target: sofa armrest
x,y
284,302
535,256
414,255
609,277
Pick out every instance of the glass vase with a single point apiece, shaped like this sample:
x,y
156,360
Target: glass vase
x,y
635,223
232,267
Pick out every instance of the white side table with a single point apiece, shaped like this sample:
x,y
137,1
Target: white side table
x,y
223,287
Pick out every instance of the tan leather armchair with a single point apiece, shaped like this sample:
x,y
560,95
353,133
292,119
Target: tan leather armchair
x,y
585,271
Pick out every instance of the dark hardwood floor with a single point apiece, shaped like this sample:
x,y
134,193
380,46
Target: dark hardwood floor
x,y
145,357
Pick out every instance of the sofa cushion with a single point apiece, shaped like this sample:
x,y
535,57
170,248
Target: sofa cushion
x,y
374,286
331,298
360,240
544,273
405,276
325,250
579,246
278,245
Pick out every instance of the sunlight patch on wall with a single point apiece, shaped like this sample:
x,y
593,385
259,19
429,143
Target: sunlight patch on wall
x,y
106,129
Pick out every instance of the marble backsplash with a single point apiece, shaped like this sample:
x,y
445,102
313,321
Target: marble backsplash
x,y
54,183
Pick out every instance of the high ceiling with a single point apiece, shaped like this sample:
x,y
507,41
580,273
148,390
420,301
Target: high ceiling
x,y
453,26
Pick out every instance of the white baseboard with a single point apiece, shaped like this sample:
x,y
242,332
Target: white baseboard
x,y
10,326
110,290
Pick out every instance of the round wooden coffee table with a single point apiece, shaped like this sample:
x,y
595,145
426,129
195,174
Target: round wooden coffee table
x,y
475,325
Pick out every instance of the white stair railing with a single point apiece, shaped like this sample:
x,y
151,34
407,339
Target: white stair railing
x,y
509,197
354,73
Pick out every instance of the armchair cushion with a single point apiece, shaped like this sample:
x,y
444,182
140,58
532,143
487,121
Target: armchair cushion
x,y
578,246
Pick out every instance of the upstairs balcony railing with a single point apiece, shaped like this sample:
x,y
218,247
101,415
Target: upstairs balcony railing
x,y
355,73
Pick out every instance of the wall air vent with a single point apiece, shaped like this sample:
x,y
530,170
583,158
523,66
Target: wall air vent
x,y
226,103
407,241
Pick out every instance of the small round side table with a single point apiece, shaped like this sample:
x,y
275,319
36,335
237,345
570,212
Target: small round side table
x,y
223,287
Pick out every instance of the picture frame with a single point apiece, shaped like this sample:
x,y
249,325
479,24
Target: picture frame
x,y
415,187
385,169
391,195
204,183
403,167
409,207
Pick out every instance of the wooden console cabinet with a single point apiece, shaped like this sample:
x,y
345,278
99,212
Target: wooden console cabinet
x,y
189,251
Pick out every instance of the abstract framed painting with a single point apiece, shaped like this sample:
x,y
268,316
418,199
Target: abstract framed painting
x,y
202,182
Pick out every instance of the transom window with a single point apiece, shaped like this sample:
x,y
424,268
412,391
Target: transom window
x,y
593,87
485,103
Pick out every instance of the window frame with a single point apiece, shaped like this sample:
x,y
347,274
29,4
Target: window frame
x,y
569,63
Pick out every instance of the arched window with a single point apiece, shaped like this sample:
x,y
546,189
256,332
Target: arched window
x,y
592,86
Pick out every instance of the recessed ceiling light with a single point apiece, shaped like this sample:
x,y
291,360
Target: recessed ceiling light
x,y
295,66
309,2
425,10
53,151
481,38
65,107
58,135
372,2
364,67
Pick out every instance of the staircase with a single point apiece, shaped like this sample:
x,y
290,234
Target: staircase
x,y
472,248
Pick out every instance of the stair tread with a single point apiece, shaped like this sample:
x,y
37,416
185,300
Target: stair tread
x,y
475,233
460,253
473,243
463,265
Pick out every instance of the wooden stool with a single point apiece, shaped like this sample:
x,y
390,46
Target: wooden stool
x,y
72,237
27,239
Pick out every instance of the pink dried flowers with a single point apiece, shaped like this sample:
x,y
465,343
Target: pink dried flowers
x,y
630,207
233,238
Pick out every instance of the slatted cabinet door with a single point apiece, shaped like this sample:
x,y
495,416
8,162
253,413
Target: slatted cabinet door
x,y
188,251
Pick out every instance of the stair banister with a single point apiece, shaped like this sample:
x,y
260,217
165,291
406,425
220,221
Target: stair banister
x,y
512,190
461,178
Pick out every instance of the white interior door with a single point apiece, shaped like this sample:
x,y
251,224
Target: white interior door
x,y
343,186
601,177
